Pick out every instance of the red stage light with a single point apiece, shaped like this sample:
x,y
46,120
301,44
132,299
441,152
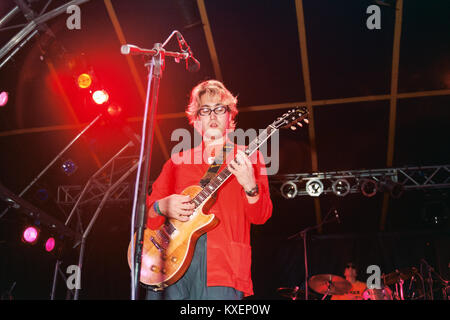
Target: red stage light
x,y
30,235
100,96
3,98
84,80
114,110
50,244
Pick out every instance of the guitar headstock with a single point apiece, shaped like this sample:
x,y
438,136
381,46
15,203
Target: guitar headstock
x,y
291,118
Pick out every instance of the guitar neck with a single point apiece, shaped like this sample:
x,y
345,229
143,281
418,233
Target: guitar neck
x,y
216,182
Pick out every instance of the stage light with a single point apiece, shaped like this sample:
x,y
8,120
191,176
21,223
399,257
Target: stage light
x,y
3,98
50,244
69,167
341,187
84,80
368,187
54,245
41,195
100,96
30,235
394,188
114,110
289,190
314,187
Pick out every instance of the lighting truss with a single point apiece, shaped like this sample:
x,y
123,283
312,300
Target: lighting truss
x,y
93,193
35,22
411,178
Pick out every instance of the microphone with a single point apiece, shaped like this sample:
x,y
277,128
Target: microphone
x,y
337,216
192,64
129,49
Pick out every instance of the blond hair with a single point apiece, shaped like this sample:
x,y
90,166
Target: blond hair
x,y
213,88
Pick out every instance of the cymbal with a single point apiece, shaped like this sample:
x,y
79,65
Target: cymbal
x,y
290,293
329,284
397,275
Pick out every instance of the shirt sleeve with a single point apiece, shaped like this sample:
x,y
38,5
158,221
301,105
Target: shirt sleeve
x,y
161,188
260,211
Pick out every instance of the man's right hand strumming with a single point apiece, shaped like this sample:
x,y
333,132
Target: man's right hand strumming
x,y
177,206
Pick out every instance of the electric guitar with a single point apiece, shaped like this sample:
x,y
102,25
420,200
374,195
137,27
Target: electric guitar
x,y
167,251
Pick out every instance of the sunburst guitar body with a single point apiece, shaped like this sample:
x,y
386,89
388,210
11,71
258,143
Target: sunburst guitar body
x,y
168,250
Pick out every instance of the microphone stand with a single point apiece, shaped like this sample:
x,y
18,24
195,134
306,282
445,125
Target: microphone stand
x,y
304,235
430,282
444,282
156,67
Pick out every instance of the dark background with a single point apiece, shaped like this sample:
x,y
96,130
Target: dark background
x,y
259,54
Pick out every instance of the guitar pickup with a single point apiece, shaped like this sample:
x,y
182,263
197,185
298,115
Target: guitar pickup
x,y
165,238
156,244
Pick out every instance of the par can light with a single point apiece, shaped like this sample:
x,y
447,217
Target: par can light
x,y
314,187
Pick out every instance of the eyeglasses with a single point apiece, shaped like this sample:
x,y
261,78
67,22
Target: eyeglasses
x,y
205,111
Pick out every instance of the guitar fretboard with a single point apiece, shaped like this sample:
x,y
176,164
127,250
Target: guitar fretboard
x,y
215,183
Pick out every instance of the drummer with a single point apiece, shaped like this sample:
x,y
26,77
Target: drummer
x,y
358,287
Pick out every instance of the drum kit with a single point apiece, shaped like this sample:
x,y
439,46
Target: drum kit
x,y
322,284
407,283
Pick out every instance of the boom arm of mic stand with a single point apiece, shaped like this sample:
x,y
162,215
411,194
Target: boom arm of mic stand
x,y
325,221
135,50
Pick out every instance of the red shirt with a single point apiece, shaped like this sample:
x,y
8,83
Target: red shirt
x,y
228,245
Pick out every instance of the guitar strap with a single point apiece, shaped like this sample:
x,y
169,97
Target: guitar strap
x,y
214,167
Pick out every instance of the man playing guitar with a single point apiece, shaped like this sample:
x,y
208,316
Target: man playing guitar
x,y
221,263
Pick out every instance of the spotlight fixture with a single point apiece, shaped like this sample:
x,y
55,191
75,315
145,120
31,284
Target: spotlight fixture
x,y
341,187
114,110
289,189
314,187
69,167
3,98
394,188
30,235
50,244
84,80
368,187
41,195
100,96
114,116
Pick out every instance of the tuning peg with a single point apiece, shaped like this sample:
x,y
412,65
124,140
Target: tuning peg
x,y
299,124
294,128
306,120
